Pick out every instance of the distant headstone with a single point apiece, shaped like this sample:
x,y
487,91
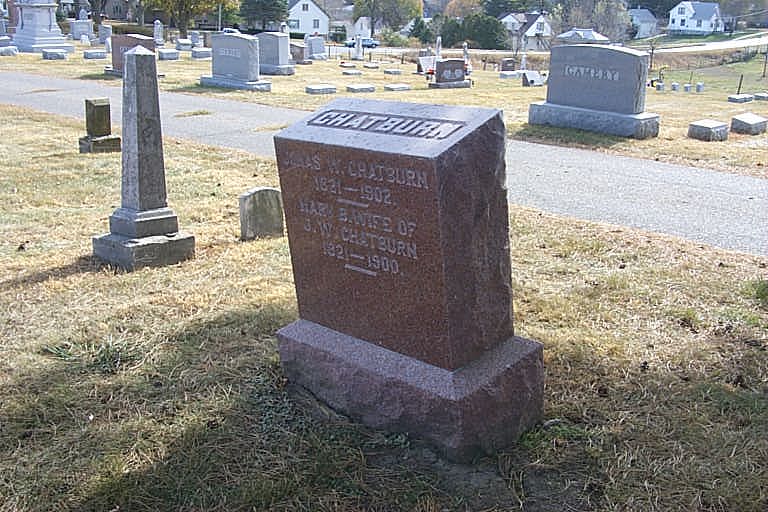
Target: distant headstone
x,y
196,38
54,54
300,53
37,29
320,89
597,88
85,40
347,65
371,65
82,15
8,51
449,74
184,45
740,98
686,87
98,127
465,55
108,46
524,62
749,124
359,51
761,96
507,75
275,54
157,33
439,47
404,298
393,71
235,63
315,47
699,87
96,53
168,54
261,213
80,28
397,87
531,78
202,53
121,43
5,41
675,86
361,88
660,86
508,64
144,231
427,64
419,63
708,130
105,32
351,72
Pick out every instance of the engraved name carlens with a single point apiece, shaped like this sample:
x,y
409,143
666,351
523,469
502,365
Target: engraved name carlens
x,y
591,73
394,125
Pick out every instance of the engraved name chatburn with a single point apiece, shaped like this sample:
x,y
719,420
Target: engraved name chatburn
x,y
397,223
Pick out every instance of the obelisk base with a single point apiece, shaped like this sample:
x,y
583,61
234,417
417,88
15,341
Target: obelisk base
x,y
480,408
150,251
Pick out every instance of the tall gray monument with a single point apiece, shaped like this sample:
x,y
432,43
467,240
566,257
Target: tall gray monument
x,y
597,88
275,54
144,231
37,28
235,63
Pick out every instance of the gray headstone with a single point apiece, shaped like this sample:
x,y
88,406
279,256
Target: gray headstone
x,y
708,130
507,75
426,64
121,43
508,64
97,53
168,54
351,72
315,48
105,32
686,87
275,54
359,51
184,45
361,88
531,78
740,98
98,127
749,124
761,96
597,88
80,28
157,33
144,231
371,65
660,86
675,86
397,87
699,87
235,63
5,41
202,53
320,89
54,54
449,74
299,53
393,71
197,40
261,213
37,28
370,190
8,51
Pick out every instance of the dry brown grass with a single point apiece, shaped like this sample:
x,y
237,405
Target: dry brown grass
x,y
160,389
740,154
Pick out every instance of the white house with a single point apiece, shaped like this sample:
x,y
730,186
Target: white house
x,y
695,18
307,17
528,31
644,21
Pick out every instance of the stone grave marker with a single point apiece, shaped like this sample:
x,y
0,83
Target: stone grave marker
x,y
96,53
184,45
761,96
168,54
105,32
80,28
531,78
508,64
121,43
98,128
5,41
393,71
361,88
424,52
53,54
740,98
197,40
449,74
157,33
235,63
275,54
320,89
8,51
398,229
597,88
708,130
315,47
37,28
749,123
300,53
261,213
144,231
351,72
359,53
201,53
699,87
397,87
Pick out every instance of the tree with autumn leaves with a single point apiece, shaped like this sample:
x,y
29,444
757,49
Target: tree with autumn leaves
x,y
182,12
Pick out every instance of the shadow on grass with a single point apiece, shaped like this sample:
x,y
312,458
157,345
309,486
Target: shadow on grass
x,y
555,136
100,76
82,265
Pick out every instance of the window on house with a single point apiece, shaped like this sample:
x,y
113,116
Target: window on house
x,y
681,10
540,26
698,23
315,23
293,23
682,22
304,7
672,21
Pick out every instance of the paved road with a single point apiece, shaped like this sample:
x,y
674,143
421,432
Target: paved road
x,y
714,208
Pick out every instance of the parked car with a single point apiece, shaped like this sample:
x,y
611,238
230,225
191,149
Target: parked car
x,y
367,43
229,30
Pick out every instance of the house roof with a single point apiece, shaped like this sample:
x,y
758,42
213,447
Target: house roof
x,y
705,10
642,15
292,3
586,35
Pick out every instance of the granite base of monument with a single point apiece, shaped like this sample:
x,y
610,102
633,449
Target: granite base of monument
x,y
234,83
277,70
638,126
479,408
461,84
105,144
151,251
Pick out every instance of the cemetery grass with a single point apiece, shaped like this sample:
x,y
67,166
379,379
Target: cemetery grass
x,y
161,389
740,154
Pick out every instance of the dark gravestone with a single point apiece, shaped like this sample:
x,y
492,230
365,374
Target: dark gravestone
x,y
144,231
449,74
398,228
508,64
597,88
121,43
531,78
98,126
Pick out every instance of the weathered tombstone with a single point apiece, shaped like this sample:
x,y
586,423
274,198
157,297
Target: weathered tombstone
x,y
506,75
398,229
315,47
300,53
740,98
235,63
531,78
393,71
465,55
675,86
96,53
361,88
699,87
105,32
397,87
261,213
37,29
320,89
157,33
8,51
508,64
144,231
80,28
202,53
371,65
167,54
49,54
5,41
439,47
449,74
108,46
749,124
708,130
359,51
524,62
121,43
660,86
597,88
425,52
82,15
351,72
427,64
275,54
184,45
98,127
761,96
197,40
686,87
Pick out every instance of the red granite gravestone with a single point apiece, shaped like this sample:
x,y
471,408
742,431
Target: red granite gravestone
x,y
121,43
398,227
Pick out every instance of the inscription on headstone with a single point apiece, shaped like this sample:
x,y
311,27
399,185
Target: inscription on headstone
x,y
449,73
400,290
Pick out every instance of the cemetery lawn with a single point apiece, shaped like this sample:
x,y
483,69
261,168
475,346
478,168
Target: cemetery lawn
x,y
161,389
740,154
